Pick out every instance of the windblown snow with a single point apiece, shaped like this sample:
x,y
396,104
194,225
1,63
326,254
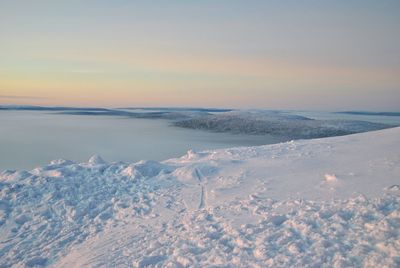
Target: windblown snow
x,y
332,202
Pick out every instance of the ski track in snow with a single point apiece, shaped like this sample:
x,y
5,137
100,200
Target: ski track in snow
x,y
331,202
203,194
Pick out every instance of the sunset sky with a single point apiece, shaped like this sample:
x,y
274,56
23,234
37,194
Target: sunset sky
x,y
328,55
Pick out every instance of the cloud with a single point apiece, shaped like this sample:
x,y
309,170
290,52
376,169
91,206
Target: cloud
x,y
21,97
87,71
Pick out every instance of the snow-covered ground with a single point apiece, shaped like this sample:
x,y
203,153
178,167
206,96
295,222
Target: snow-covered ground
x,y
332,202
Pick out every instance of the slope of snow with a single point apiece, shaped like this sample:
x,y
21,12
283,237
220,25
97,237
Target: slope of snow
x,y
332,202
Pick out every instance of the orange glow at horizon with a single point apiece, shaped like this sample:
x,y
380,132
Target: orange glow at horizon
x,y
120,54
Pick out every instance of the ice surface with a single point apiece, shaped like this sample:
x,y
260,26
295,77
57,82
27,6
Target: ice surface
x,y
332,202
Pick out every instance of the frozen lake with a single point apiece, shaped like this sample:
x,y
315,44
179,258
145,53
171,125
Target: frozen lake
x,y
32,138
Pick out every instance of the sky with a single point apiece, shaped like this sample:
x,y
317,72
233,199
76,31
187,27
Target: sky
x,y
311,55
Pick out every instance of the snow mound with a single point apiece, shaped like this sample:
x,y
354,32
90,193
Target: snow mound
x,y
260,206
96,160
330,177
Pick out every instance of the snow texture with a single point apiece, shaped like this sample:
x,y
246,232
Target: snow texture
x,y
332,202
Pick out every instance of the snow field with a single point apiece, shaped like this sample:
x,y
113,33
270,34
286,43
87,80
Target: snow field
x,y
331,202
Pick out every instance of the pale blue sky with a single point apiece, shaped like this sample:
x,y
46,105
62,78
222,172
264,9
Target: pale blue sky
x,y
261,54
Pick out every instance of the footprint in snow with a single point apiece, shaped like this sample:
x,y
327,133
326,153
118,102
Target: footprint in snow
x,y
394,187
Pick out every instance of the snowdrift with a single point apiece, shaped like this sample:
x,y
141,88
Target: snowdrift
x,y
332,202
